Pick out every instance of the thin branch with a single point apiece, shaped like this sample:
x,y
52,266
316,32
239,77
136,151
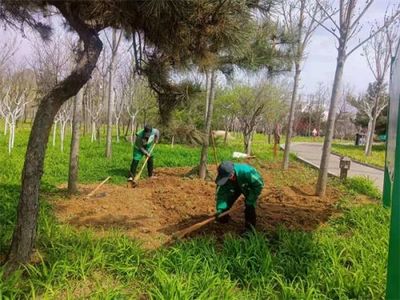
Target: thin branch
x,y
357,20
329,16
385,25
325,27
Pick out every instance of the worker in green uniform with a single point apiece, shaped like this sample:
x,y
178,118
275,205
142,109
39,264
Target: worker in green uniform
x,y
145,140
233,180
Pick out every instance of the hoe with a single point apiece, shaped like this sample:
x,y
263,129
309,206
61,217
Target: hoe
x,y
134,182
184,232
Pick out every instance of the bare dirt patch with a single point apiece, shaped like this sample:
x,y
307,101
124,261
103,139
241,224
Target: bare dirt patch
x,y
158,207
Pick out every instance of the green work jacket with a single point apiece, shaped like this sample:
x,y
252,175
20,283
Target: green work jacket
x,y
141,146
249,183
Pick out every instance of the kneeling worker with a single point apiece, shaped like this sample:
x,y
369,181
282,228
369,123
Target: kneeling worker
x,y
234,180
145,140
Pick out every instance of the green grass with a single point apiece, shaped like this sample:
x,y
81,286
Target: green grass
x,y
363,185
377,158
344,260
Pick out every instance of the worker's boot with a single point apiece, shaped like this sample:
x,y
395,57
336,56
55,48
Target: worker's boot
x,y
250,218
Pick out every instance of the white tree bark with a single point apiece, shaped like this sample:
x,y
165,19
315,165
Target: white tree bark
x,y
62,135
14,103
6,124
54,133
93,138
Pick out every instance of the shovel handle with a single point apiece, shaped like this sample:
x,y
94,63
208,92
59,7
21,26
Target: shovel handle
x,y
99,186
180,234
142,168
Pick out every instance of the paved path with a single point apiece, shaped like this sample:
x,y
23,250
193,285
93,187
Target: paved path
x,y
311,153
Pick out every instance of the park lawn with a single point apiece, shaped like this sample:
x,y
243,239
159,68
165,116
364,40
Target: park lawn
x,y
377,157
344,259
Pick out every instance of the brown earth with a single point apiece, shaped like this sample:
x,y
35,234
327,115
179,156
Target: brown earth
x,y
158,207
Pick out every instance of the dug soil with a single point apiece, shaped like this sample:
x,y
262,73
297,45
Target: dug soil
x,y
161,206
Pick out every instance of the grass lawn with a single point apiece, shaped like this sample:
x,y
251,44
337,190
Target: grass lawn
x,y
377,157
344,259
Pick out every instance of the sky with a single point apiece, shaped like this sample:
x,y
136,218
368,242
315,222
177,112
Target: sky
x,y
319,67
321,62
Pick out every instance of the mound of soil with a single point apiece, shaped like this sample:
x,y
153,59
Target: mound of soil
x,y
160,206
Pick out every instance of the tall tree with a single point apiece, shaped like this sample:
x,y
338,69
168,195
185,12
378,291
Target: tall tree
x,y
372,103
378,52
114,44
28,207
300,19
210,96
344,30
178,31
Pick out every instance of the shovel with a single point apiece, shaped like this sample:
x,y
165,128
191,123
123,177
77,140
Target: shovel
x,y
182,233
134,182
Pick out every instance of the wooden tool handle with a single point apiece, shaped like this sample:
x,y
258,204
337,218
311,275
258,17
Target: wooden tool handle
x,y
180,234
142,168
99,186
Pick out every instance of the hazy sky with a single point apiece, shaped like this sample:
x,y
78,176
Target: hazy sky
x,y
319,65
321,61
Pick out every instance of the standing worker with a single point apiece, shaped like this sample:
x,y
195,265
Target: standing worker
x,y
234,180
145,139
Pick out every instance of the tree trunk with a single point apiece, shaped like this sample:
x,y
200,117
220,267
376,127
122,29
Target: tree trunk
x,y
204,149
10,138
6,124
247,142
13,134
110,96
62,134
208,78
74,153
289,130
326,149
28,207
132,129
54,133
135,124
368,135
93,138
117,127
